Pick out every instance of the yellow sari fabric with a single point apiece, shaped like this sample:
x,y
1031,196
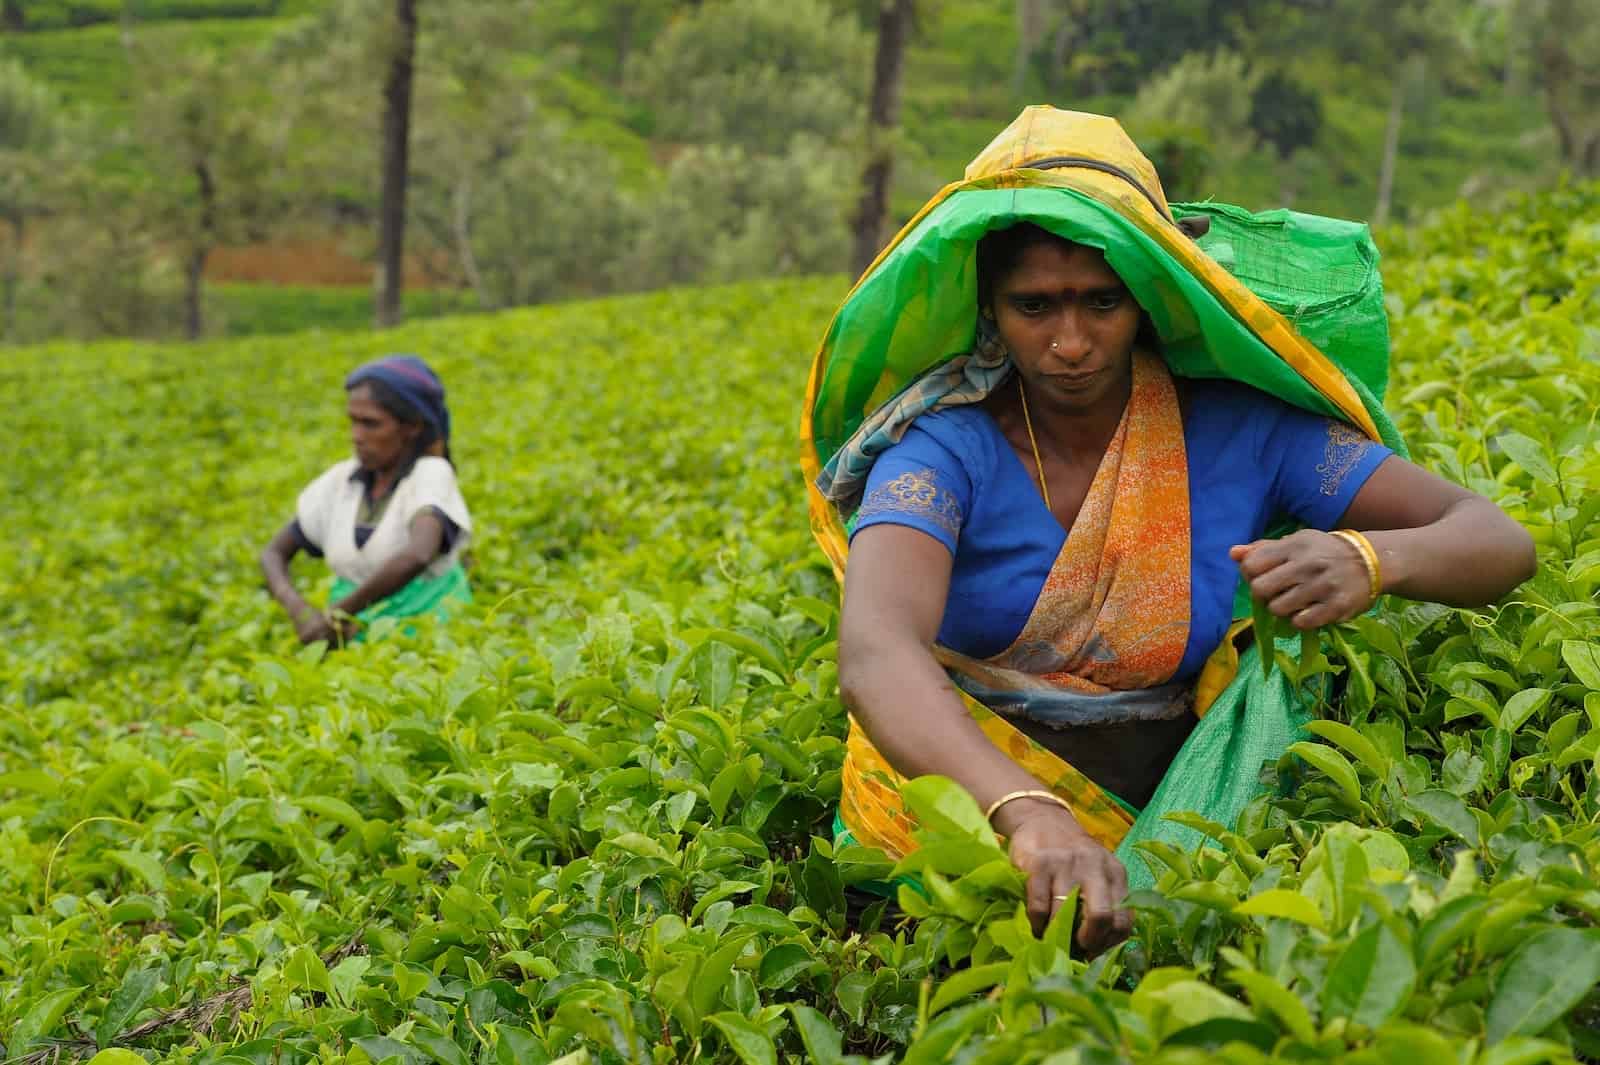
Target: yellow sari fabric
x,y
1113,616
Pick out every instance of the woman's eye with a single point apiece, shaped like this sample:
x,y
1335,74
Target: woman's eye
x,y
1106,301
1029,307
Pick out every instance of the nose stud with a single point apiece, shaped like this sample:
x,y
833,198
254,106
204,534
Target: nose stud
x,y
1054,345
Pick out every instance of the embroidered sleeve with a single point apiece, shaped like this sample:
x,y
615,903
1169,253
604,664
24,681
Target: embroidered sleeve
x,y
1320,464
1345,448
914,494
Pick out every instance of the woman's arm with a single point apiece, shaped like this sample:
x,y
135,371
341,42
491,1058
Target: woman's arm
x,y
894,598
425,540
309,624
1436,541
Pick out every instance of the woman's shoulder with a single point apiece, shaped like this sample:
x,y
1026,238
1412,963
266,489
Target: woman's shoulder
x,y
967,432
432,482
431,474
1229,413
432,466
339,473
1211,397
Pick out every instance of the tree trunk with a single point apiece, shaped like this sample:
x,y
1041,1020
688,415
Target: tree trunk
x,y
193,291
13,279
1391,138
396,145
894,30
624,43
195,269
461,227
1562,80
1030,23
126,25
1061,47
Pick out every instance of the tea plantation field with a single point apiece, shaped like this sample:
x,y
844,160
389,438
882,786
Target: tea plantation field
x,y
581,823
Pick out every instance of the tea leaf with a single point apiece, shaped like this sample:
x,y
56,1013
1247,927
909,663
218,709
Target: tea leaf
x,y
1542,979
1371,979
753,1045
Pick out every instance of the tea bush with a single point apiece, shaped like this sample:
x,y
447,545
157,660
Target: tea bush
x,y
588,820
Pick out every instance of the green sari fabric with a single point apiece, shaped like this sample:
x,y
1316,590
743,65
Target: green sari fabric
x,y
424,595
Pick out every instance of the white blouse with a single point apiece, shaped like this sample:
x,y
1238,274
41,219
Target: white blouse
x,y
328,507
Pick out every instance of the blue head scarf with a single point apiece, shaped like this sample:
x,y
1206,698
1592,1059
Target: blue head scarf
x,y
415,383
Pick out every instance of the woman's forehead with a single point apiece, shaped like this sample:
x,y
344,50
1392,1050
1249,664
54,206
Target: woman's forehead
x,y
1057,265
361,398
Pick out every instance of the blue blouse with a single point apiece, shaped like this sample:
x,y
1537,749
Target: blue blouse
x,y
1253,460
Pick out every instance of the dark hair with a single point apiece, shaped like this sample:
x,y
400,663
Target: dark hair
x,y
1000,251
398,408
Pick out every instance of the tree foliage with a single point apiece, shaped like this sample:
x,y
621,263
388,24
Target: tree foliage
x,y
722,212
1565,38
1194,120
210,148
33,133
1337,106
755,73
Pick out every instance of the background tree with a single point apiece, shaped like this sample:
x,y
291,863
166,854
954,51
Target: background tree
x,y
1565,39
895,19
603,35
206,137
754,73
402,45
764,101
506,197
1194,120
1030,30
32,132
1287,117
724,214
1379,53
1395,41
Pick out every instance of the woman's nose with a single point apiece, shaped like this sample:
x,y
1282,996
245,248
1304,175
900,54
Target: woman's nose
x,y
1068,341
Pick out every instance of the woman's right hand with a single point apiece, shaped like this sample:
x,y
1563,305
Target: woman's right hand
x,y
1057,855
311,625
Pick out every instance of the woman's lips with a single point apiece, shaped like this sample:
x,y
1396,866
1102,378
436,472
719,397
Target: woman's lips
x,y
1074,380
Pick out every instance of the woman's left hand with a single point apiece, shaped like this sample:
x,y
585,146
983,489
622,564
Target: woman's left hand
x,y
1310,578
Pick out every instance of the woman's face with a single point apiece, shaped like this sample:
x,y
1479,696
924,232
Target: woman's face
x,y
380,439
1069,323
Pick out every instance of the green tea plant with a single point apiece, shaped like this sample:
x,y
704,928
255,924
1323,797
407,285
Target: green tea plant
x,y
587,821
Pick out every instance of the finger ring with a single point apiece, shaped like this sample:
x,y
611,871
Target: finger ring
x,y
1061,898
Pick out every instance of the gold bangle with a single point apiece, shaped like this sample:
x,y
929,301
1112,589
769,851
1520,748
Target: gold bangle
x,y
1030,793
1369,558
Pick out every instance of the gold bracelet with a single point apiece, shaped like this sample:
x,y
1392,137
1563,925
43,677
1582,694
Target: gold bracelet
x,y
1030,793
1369,558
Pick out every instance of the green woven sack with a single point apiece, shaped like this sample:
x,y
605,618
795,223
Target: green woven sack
x,y
1319,273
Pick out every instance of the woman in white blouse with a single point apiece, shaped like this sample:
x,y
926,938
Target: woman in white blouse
x,y
390,521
